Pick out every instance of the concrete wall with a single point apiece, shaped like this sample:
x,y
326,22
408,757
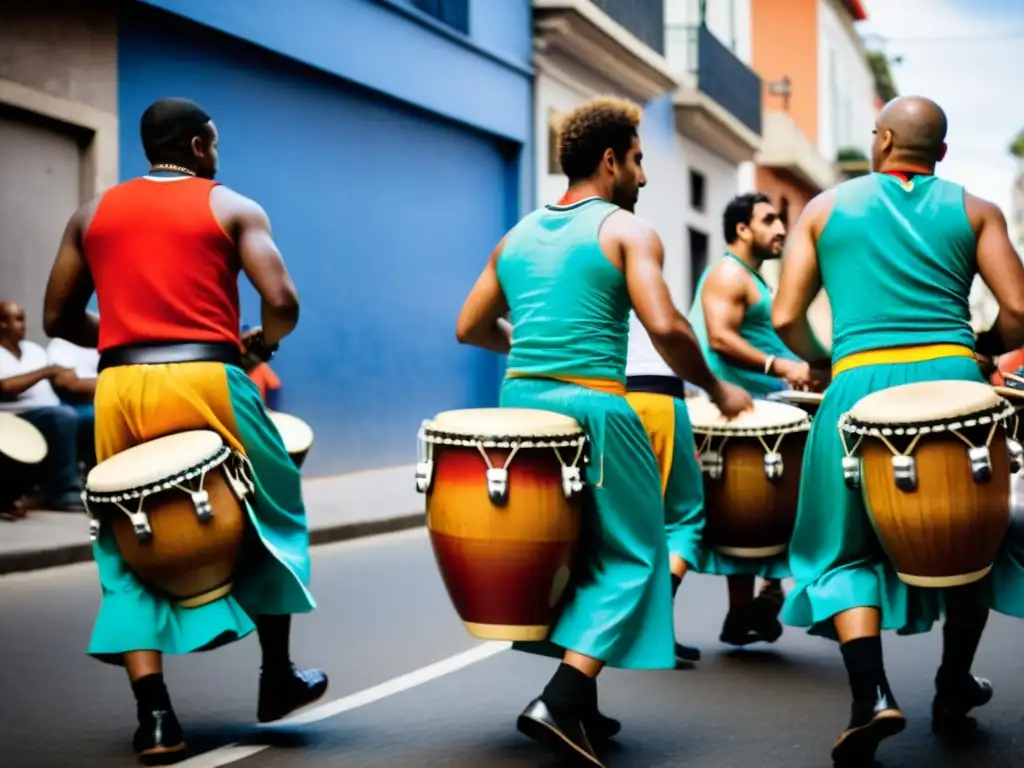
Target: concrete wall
x,y
58,86
389,154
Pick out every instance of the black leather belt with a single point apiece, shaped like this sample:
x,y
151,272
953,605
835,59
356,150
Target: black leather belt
x,y
671,386
161,353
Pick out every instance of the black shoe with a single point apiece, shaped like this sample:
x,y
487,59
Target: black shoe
x,y
952,703
282,692
738,629
870,723
601,727
159,739
687,653
565,736
764,615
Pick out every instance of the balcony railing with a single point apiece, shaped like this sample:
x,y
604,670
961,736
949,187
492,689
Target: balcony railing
x,y
644,18
719,73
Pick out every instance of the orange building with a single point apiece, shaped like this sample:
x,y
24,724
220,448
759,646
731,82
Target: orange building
x,y
819,105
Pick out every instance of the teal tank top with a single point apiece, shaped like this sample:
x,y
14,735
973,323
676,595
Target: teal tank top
x,y
568,303
756,328
897,262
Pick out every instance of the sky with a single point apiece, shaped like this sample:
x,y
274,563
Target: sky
x,y
968,56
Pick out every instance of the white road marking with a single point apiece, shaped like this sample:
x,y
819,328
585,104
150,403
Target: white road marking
x,y
232,753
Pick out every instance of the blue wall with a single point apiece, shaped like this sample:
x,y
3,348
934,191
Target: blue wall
x,y
385,208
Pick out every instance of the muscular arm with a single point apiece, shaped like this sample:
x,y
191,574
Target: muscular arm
x,y
800,282
70,287
264,266
1000,267
670,332
724,302
482,319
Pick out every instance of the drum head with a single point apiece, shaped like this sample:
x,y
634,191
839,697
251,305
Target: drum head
x,y
154,461
504,422
20,440
796,396
766,417
926,402
296,434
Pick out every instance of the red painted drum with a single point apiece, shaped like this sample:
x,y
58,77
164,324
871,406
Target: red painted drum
x,y
504,503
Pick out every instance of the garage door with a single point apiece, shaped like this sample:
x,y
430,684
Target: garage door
x,y
40,182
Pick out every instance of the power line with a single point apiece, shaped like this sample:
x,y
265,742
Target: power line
x,y
1017,35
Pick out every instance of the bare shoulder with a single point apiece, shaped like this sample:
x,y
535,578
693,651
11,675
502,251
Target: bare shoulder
x,y
817,211
80,220
981,211
233,208
727,277
628,228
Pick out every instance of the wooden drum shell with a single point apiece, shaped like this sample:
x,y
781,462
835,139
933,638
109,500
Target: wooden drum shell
x,y
947,532
748,515
505,567
191,561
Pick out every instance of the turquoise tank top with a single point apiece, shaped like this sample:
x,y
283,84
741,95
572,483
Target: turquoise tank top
x,y
756,328
897,262
568,303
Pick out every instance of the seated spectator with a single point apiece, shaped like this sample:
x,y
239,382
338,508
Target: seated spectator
x,y
27,383
78,390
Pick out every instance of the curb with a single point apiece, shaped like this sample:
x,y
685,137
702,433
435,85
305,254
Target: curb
x,y
36,560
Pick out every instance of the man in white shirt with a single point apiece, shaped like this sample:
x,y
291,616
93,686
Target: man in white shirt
x,y
27,381
78,390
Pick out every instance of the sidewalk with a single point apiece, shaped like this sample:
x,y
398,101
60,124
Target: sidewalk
x,y
340,507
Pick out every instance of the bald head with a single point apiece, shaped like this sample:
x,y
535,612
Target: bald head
x,y
912,128
12,322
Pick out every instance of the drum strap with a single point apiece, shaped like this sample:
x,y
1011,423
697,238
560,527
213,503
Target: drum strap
x,y
891,355
171,352
671,386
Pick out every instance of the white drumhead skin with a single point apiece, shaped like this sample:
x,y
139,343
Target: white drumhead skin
x,y
21,440
766,414
504,422
296,433
925,401
154,461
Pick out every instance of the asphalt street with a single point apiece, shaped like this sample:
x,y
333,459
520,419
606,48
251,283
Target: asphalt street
x,y
384,614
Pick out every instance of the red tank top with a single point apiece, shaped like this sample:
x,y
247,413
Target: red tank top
x,y
163,268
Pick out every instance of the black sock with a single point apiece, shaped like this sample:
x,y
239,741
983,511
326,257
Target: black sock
x,y
570,692
676,581
274,633
863,659
959,644
151,693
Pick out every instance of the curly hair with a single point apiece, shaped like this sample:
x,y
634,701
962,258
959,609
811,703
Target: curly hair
x,y
585,132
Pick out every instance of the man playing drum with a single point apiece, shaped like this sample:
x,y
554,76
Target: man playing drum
x,y
569,275
163,254
731,315
896,252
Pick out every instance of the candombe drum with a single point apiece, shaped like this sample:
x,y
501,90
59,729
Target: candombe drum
x,y
296,434
933,461
1013,392
175,505
504,505
751,466
808,401
22,450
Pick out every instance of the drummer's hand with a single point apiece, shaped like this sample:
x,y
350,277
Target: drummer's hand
x,y
731,400
796,374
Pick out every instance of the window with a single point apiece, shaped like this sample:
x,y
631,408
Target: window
x,y
698,259
697,191
454,13
554,167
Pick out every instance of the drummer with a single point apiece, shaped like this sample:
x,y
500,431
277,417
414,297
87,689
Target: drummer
x,y
568,355
900,306
731,314
195,235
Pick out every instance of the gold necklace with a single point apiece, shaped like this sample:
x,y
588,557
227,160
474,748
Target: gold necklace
x,y
172,167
